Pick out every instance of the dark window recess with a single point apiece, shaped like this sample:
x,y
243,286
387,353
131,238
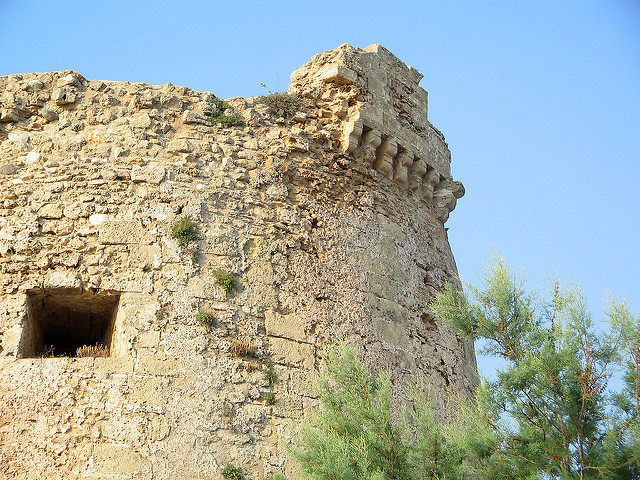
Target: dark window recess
x,y
60,323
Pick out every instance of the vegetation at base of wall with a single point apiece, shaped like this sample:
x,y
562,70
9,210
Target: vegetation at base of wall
x,y
224,114
204,318
282,103
224,279
270,398
242,348
92,351
185,231
549,414
232,472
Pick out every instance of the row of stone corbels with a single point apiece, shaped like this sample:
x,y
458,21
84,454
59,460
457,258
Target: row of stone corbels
x,y
398,163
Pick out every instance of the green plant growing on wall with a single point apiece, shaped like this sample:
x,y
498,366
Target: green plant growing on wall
x,y
185,231
270,398
282,103
224,114
270,375
204,318
224,279
232,472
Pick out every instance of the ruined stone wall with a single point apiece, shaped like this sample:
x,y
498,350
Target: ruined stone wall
x,y
330,221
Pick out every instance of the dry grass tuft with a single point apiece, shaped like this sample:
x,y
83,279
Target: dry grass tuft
x,y
242,348
92,351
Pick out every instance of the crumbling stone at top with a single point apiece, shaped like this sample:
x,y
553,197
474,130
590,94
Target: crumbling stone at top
x,y
383,113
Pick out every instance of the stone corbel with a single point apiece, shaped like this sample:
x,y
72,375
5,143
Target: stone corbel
x,y
430,181
385,154
418,169
370,142
352,134
402,164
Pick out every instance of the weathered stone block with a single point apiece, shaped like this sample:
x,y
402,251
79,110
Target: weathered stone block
x,y
287,326
50,210
117,462
288,352
113,365
149,173
156,364
114,232
62,279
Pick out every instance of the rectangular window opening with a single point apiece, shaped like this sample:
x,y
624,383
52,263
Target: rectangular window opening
x,y
69,324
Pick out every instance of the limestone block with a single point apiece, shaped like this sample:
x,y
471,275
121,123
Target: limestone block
x,y
221,245
129,281
144,257
63,96
33,157
337,74
138,309
98,218
67,80
173,278
402,165
156,364
148,391
445,198
50,210
49,115
390,332
117,462
159,427
11,340
64,279
260,281
151,173
118,232
189,117
388,310
140,120
287,326
113,365
288,352
385,154
287,406
303,382
148,339
66,259
78,210
180,145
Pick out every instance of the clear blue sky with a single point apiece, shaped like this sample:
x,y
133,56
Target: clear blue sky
x,y
539,102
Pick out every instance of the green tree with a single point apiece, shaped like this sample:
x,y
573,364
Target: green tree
x,y
354,436
549,414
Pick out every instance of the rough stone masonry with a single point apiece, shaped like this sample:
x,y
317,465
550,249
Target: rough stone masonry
x,y
329,221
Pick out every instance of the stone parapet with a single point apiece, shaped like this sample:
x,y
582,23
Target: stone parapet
x,y
383,119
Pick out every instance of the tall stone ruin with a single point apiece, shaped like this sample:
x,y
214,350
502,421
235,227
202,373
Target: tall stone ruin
x,y
329,220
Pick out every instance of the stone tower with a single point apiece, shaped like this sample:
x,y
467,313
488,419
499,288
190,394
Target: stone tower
x,y
329,221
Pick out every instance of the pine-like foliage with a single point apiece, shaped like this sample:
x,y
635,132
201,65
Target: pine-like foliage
x,y
353,435
549,414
